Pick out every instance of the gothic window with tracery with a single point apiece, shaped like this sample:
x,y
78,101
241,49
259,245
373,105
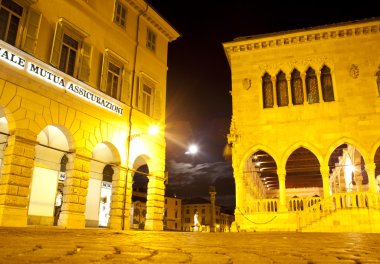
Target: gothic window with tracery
x,y
267,91
326,83
311,86
296,86
282,89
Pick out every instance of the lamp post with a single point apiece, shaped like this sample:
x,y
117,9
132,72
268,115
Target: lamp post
x,y
152,130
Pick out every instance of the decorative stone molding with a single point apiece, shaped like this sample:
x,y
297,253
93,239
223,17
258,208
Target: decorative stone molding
x,y
354,71
250,43
246,82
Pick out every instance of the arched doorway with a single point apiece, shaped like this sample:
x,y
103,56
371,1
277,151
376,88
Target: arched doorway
x,y
139,193
347,170
99,195
46,191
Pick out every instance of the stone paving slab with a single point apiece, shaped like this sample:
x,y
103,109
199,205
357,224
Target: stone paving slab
x,y
59,245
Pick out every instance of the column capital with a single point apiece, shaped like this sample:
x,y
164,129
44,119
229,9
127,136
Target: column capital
x,y
370,167
325,171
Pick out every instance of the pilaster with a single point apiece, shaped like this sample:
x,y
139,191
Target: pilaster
x,y
75,192
155,202
117,198
15,180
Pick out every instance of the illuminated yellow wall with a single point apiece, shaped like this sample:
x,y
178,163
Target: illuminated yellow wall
x,y
351,51
30,104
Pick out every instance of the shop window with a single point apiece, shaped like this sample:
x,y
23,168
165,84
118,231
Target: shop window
x,y
267,91
326,83
120,15
151,40
296,87
12,16
70,53
282,89
112,75
311,86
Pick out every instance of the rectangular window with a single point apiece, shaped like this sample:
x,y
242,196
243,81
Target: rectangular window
x,y
120,14
112,76
10,18
70,53
187,211
187,220
147,93
151,40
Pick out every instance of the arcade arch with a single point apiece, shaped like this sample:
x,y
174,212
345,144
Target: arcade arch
x,y
103,171
48,175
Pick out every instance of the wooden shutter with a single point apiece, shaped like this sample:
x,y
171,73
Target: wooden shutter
x,y
157,104
85,65
31,31
103,78
57,43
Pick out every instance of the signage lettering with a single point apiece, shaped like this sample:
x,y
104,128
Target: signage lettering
x,y
12,58
57,80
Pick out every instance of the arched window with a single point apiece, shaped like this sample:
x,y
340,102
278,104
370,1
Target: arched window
x,y
64,162
267,91
311,86
107,173
326,83
297,89
282,89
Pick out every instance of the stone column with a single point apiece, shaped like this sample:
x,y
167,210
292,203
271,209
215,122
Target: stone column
x,y
370,168
325,172
290,94
75,192
155,202
320,93
117,198
281,174
240,192
212,193
15,179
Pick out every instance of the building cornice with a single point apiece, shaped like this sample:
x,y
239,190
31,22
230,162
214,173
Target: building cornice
x,y
302,36
154,18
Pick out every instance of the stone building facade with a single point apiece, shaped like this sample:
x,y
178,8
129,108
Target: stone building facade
x,y
305,130
81,82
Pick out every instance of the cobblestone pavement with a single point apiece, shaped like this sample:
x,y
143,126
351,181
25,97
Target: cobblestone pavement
x,y
58,245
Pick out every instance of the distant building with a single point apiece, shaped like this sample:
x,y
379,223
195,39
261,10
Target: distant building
x,y
173,212
223,219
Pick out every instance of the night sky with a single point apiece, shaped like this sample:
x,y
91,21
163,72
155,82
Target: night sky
x,y
198,101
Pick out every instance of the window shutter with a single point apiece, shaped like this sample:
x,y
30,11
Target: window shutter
x,y
157,104
103,78
57,43
31,31
84,71
125,87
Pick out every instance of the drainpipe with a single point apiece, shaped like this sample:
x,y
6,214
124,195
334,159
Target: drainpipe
x,y
130,116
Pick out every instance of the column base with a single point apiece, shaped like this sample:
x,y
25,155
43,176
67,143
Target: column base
x,y
154,225
71,220
13,216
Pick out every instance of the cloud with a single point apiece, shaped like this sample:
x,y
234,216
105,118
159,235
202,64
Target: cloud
x,y
188,180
